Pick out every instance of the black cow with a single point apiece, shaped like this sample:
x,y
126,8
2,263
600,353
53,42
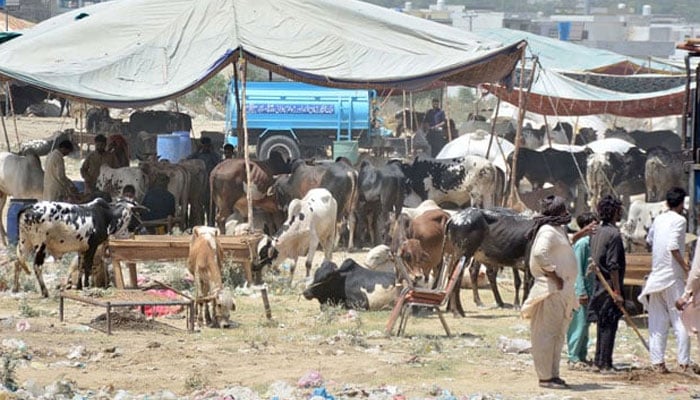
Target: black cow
x,y
645,140
24,96
341,180
352,286
550,165
57,228
613,173
159,121
381,193
495,237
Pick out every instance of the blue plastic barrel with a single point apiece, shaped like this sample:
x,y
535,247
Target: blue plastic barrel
x,y
168,148
185,143
12,221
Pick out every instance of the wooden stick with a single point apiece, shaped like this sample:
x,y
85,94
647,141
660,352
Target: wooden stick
x,y
610,291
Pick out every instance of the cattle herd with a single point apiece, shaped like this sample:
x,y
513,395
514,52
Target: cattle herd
x,y
412,214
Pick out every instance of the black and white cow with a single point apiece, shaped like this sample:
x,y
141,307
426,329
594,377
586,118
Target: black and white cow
x,y
469,180
645,140
58,228
381,195
617,171
495,237
353,286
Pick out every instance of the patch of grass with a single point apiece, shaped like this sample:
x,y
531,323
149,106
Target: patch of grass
x,y
196,381
425,346
8,375
26,310
233,275
176,277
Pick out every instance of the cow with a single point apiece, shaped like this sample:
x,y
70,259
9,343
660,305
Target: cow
x,y
639,219
57,228
98,120
381,196
311,221
228,186
205,263
159,121
495,237
112,180
20,177
550,165
645,140
352,286
380,258
341,181
663,170
607,172
477,144
198,182
44,146
423,249
303,177
469,180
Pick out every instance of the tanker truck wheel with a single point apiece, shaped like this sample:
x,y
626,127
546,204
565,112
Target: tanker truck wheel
x,y
282,144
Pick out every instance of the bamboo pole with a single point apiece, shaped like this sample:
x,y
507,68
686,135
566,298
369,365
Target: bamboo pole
x,y
493,127
518,133
246,153
447,115
12,110
4,129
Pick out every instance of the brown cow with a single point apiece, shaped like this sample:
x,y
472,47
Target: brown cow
x,y
228,184
423,249
205,264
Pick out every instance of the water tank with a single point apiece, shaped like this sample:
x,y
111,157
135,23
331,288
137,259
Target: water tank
x,y
408,6
440,5
646,10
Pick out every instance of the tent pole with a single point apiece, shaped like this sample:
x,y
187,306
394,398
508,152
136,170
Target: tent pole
x,y
4,129
12,110
239,119
522,107
493,126
447,115
546,130
246,155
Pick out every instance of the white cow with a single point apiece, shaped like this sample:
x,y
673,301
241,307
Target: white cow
x,y
20,177
112,181
639,219
311,221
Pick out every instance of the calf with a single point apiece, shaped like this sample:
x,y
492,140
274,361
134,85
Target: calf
x,y
494,237
205,264
353,286
311,222
59,228
422,251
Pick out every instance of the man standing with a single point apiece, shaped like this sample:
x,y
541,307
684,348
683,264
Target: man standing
x,y
57,186
549,305
206,154
608,254
435,121
666,282
90,169
577,335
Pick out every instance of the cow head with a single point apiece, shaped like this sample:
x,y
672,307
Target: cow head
x,y
124,217
416,261
266,252
223,305
327,286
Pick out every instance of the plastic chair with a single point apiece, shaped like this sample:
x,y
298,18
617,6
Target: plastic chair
x,y
434,299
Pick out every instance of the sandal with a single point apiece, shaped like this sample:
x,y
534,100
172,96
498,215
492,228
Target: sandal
x,y
660,368
554,383
578,366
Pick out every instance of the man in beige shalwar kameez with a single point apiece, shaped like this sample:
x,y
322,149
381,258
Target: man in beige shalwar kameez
x,y
552,298
57,186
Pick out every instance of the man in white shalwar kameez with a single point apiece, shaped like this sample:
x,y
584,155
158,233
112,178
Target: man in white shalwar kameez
x,y
57,186
552,298
666,283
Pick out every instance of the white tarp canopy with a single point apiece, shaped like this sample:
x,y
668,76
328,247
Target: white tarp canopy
x,y
137,52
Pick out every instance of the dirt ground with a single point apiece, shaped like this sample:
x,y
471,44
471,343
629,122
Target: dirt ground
x,y
348,349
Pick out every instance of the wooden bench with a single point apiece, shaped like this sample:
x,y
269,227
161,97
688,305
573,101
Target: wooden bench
x,y
238,249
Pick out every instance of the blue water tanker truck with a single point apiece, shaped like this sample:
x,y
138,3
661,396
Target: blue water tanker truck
x,y
302,120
